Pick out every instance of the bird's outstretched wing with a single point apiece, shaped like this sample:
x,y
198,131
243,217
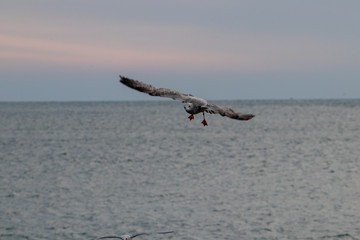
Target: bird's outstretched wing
x,y
227,112
152,91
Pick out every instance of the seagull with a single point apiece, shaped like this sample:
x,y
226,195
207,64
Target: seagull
x,y
192,105
128,237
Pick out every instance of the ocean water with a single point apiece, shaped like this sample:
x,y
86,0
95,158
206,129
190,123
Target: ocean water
x,y
86,170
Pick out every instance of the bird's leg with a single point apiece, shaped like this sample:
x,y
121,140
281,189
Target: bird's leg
x,y
191,117
204,121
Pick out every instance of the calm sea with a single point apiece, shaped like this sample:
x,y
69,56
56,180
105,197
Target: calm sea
x,y
91,169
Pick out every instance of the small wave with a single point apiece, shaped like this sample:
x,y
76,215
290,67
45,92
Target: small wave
x,y
345,236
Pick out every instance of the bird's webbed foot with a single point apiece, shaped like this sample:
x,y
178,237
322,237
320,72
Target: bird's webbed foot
x,y
204,123
191,117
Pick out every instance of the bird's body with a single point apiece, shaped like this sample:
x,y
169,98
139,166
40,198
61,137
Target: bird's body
x,y
192,105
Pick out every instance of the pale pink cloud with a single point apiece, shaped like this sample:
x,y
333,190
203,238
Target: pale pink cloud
x,y
75,54
181,48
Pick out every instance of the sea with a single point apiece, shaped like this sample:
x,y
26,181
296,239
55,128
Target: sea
x,y
85,170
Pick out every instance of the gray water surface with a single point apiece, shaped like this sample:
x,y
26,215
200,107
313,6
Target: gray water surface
x,y
86,170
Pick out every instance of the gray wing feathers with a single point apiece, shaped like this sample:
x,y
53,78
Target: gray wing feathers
x,y
228,112
152,91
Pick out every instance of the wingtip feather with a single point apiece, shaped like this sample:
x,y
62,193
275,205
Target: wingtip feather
x,y
247,116
123,79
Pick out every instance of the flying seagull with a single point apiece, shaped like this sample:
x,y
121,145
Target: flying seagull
x,y
128,237
192,105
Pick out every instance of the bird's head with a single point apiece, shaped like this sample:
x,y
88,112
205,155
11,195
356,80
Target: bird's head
x,y
188,106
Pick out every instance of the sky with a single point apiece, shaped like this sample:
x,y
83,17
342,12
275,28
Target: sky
x,y
66,50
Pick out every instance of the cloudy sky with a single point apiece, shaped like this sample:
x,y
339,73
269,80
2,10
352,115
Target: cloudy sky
x,y
70,50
